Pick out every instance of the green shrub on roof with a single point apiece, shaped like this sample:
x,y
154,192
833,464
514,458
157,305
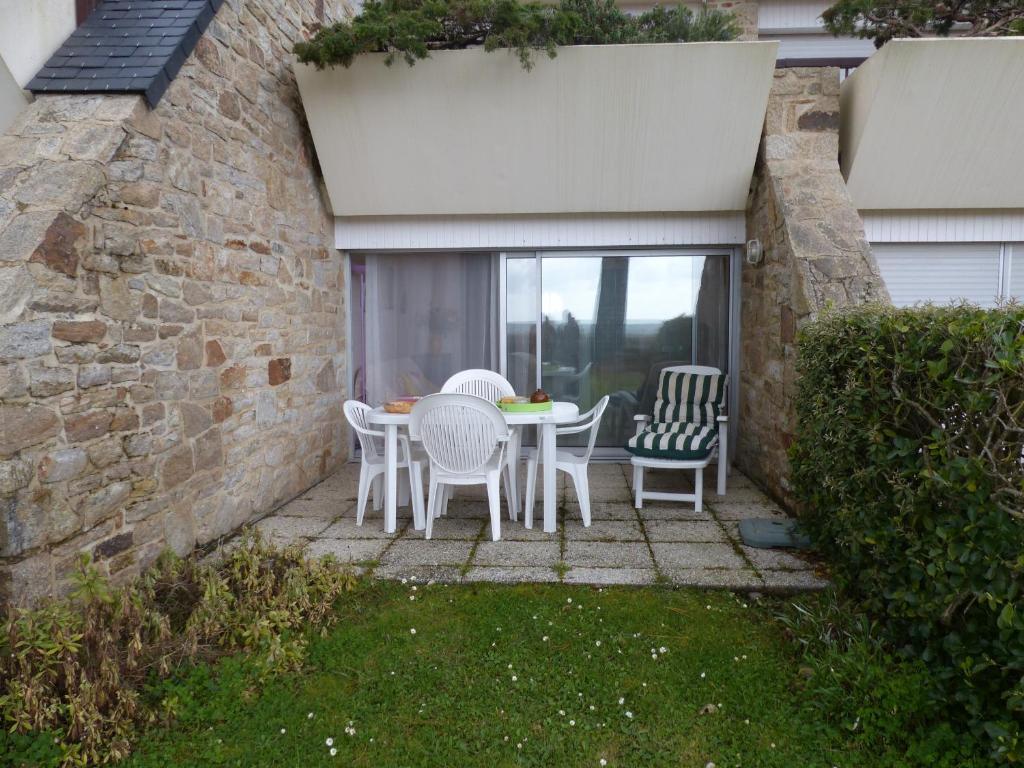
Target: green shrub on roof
x,y
411,29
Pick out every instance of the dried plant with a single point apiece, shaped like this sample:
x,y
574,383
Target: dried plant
x,y
77,668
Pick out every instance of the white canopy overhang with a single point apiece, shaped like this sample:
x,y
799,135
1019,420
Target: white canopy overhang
x,y
620,129
936,124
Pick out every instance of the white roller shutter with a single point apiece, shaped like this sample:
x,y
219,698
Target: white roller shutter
x,y
940,273
1015,253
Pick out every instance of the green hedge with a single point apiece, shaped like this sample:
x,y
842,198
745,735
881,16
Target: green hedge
x,y
908,470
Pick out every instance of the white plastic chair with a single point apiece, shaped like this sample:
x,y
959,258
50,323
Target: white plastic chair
x,y
372,467
492,387
465,438
568,462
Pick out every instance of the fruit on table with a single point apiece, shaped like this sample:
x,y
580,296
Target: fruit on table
x,y
539,396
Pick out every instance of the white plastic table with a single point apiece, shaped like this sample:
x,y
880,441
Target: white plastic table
x,y
546,421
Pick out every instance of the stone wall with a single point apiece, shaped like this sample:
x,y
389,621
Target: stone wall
x,y
816,256
746,12
171,310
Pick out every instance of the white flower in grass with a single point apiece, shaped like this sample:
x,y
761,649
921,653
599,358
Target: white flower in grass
x,y
629,714
283,730
412,597
334,751
309,716
544,639
663,649
572,722
602,761
568,600
703,675
654,656
592,707
329,742
597,643
514,678
412,631
519,745
561,712
405,581
622,700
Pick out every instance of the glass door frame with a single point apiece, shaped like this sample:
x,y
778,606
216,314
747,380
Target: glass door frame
x,y
735,265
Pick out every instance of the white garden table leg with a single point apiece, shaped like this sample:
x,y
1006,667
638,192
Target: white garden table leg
x,y
390,478
547,432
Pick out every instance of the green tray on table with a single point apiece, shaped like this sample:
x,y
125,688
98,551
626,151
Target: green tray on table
x,y
525,407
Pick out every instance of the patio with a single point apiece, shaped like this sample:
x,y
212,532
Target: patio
x,y
664,543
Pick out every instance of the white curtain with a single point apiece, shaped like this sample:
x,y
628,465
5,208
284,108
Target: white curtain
x,y
428,315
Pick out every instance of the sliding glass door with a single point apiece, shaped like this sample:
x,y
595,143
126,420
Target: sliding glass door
x,y
581,325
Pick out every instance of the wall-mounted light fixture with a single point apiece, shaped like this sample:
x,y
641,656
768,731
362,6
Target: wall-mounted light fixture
x,y
755,252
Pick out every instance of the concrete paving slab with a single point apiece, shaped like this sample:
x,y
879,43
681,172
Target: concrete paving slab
x,y
671,510
684,530
704,555
346,528
351,551
592,554
288,529
434,552
732,510
448,574
776,559
604,530
511,575
602,510
610,576
517,553
714,578
468,529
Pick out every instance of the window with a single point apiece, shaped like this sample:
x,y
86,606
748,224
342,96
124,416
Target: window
x,y
981,273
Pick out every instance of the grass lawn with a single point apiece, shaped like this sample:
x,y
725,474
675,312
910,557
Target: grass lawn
x,y
527,675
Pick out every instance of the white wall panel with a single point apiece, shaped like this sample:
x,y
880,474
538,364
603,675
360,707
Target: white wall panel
x,y
943,226
940,272
12,98
381,233
599,129
935,124
30,31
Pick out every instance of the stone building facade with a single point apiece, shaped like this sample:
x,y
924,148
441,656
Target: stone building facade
x,y
815,257
172,338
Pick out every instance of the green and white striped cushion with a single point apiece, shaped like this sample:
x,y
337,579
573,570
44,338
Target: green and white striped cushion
x,y
675,440
689,397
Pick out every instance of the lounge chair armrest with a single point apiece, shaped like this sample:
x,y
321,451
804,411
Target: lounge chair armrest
x,y
642,417
723,418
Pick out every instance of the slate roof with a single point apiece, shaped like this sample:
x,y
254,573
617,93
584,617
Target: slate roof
x,y
127,46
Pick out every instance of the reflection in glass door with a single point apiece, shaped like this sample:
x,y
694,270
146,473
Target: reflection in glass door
x,y
607,322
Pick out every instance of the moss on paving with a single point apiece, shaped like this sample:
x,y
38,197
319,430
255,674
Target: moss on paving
x,y
526,675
